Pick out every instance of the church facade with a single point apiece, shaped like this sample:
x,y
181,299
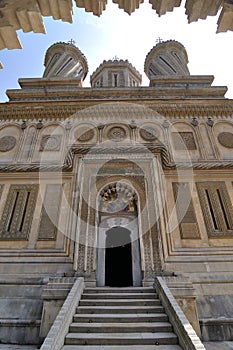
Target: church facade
x,y
117,183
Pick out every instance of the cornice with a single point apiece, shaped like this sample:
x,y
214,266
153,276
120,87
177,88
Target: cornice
x,y
10,111
112,150
166,93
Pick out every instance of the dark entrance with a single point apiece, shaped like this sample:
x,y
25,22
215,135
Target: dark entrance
x,y
118,258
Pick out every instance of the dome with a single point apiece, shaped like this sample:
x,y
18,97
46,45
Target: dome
x,y
65,60
168,58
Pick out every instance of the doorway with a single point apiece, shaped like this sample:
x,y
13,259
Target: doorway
x,y
118,258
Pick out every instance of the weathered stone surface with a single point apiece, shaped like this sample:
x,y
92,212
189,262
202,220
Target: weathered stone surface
x,y
128,6
116,143
225,21
95,6
163,6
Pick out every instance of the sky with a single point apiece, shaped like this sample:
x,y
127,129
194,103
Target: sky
x,y
115,33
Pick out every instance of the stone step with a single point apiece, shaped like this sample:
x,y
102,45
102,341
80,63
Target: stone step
x,y
119,309
121,347
134,317
121,327
119,295
120,302
119,290
121,338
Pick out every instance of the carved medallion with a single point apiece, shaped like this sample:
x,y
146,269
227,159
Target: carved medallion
x,y
7,143
50,143
149,133
117,133
86,136
226,139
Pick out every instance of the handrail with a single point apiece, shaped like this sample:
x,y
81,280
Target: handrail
x,y
188,338
56,336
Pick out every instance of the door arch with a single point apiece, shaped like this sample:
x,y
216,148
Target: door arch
x,y
118,236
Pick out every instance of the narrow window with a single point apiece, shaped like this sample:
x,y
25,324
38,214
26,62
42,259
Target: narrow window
x,y
115,79
211,210
223,209
24,212
13,211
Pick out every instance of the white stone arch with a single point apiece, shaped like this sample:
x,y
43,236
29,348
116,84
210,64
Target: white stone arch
x,y
118,218
153,127
223,135
10,141
191,147
50,142
82,133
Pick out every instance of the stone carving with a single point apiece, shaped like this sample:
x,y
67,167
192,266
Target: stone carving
x,y
39,125
86,136
210,121
166,124
7,143
183,140
194,121
68,126
20,206
217,209
117,133
149,133
226,139
23,125
50,143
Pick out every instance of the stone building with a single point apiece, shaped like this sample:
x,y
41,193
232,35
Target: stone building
x,y
117,183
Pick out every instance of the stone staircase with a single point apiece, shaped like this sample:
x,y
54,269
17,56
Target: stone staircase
x,y
120,318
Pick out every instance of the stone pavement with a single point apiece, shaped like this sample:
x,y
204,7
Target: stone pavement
x,y
228,345
208,345
17,347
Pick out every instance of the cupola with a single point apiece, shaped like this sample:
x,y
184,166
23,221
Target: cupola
x,y
168,58
65,60
116,73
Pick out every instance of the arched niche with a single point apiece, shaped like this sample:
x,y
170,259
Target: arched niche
x,y
9,142
223,132
118,236
83,133
50,143
184,141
